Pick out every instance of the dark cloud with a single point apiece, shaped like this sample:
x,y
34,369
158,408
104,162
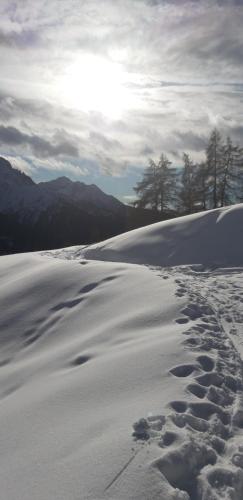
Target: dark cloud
x,y
230,2
184,2
19,40
42,148
224,49
235,132
210,44
16,108
192,141
231,85
147,151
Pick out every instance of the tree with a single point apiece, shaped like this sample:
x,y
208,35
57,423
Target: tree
x,y
215,182
188,192
214,155
232,174
157,188
146,188
166,184
202,186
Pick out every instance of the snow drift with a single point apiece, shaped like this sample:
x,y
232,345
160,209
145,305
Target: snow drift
x,y
209,238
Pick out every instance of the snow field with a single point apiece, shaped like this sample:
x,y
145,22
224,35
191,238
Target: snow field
x,y
121,366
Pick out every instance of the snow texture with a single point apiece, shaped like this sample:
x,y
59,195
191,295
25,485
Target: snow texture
x,y
121,366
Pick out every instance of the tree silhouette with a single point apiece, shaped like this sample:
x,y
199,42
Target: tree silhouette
x,y
156,190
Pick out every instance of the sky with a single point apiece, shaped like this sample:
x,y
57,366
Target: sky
x,y
92,89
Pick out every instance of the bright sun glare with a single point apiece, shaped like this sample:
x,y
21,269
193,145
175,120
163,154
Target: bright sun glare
x,y
94,84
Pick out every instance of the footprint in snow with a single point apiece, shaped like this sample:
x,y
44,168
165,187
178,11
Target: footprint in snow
x,y
80,360
181,321
195,434
183,370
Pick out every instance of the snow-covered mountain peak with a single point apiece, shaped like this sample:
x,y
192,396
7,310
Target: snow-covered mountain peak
x,y
19,194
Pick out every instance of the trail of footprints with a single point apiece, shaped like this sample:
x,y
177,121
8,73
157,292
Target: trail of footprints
x,y
201,439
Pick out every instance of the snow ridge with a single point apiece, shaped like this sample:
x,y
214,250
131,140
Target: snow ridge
x,y
201,440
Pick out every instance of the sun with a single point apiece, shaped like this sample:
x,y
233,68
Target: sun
x,y
92,83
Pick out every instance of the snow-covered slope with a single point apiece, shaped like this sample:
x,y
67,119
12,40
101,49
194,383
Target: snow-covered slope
x,y
209,238
122,380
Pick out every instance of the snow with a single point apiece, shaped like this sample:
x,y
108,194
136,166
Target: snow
x,y
209,238
121,366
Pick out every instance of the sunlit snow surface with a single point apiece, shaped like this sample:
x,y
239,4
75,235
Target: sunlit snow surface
x,y
121,371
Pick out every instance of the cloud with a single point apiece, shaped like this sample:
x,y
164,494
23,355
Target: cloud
x,y
192,141
107,144
32,166
42,148
21,40
110,165
182,62
20,163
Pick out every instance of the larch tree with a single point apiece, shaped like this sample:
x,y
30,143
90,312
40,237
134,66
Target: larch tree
x,y
215,182
156,190
214,155
166,184
202,186
232,174
146,188
188,191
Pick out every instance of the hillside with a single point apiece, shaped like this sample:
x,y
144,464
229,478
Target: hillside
x,y
121,366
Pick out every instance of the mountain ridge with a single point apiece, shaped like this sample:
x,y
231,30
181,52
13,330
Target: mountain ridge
x,y
59,213
18,192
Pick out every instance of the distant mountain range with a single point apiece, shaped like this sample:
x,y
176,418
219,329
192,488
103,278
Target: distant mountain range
x,y
59,213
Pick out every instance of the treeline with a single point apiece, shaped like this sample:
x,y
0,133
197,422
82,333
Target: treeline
x,y
215,182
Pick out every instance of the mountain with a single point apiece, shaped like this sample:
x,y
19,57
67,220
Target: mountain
x,y
18,193
59,213
90,198
121,366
